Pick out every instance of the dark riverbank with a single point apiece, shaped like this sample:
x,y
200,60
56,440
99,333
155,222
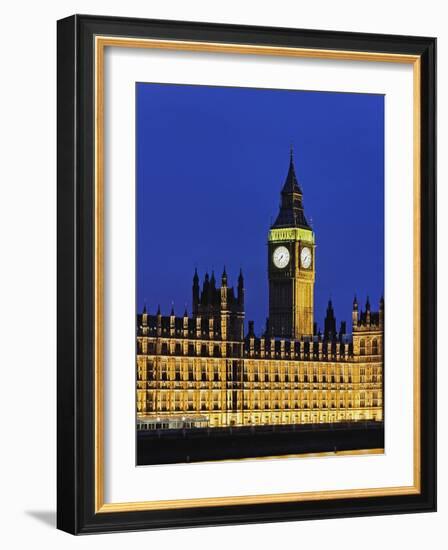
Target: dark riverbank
x,y
196,445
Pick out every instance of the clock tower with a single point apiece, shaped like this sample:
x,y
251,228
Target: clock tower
x,y
291,265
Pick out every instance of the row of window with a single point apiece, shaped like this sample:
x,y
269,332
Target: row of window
x,y
152,403
309,351
206,373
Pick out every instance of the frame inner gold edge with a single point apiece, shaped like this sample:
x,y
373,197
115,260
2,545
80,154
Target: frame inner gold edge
x,y
100,43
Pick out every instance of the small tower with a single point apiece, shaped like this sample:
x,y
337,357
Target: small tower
x,y
241,289
224,277
367,332
355,312
205,296
330,323
212,289
195,291
368,311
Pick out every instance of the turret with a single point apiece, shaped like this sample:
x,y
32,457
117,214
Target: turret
x,y
368,311
224,277
195,291
205,290
212,289
355,312
241,289
330,323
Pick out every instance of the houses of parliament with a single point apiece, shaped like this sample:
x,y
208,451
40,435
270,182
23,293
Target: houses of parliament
x,y
204,370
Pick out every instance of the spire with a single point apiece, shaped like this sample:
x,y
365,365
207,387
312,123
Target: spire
x,y
224,277
195,291
195,276
291,184
330,323
368,304
240,278
205,290
241,288
355,303
185,311
144,308
291,208
158,310
172,309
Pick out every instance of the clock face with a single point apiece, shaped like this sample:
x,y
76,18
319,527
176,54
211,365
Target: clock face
x,y
281,257
305,257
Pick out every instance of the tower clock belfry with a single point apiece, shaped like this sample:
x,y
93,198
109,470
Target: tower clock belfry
x,y
291,265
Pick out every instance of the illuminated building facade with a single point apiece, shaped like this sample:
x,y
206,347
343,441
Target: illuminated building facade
x,y
204,371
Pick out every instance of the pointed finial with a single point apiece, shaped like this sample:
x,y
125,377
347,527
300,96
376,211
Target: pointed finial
x,y
158,310
195,276
368,304
185,311
224,277
291,152
355,302
144,307
172,309
240,276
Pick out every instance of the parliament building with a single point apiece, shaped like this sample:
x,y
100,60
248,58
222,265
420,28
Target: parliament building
x,y
204,370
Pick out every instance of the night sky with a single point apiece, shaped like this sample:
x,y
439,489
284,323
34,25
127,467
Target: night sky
x,y
211,162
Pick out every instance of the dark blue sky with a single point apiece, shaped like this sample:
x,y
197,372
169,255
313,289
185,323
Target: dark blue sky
x,y
211,162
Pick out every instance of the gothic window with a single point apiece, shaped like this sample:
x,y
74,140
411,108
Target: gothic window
x,y
177,372
190,372
204,373
276,374
362,347
177,401
375,347
190,401
362,401
203,401
163,374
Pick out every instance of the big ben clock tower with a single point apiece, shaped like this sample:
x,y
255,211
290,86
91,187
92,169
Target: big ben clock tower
x,y
291,265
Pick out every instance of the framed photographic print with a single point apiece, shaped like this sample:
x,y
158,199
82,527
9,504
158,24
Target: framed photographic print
x,y
246,274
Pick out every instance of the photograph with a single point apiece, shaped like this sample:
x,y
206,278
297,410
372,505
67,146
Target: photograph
x,y
259,273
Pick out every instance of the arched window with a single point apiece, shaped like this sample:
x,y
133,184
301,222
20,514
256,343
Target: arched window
x,y
362,347
375,347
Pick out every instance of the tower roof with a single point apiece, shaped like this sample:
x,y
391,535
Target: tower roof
x,y
291,184
291,212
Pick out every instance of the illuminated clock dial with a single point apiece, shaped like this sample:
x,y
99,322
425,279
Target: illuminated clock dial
x,y
281,257
305,257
